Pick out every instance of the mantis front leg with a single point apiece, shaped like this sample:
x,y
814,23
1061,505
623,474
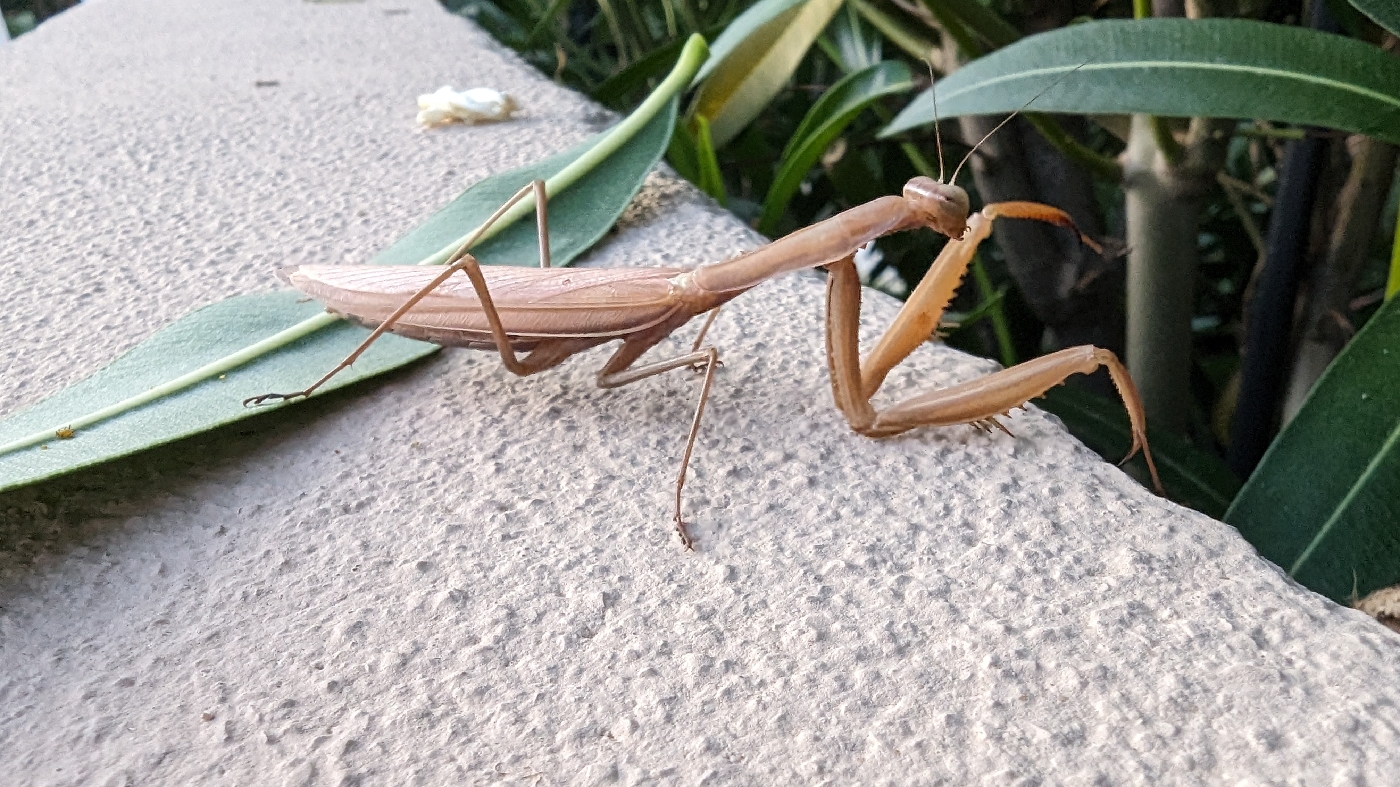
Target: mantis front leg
x,y
977,402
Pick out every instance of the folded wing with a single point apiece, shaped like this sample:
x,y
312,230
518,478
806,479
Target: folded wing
x,y
534,303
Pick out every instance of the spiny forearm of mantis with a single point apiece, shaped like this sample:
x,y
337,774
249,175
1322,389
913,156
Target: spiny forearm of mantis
x,y
692,57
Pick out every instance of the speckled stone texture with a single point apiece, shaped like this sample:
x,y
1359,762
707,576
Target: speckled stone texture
x,y
455,576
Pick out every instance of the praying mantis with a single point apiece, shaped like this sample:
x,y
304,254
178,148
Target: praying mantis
x,y
550,314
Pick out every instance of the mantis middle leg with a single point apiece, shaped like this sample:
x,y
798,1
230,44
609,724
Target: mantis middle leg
x,y
978,402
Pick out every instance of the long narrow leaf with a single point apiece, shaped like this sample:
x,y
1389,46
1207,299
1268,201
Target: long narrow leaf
x,y
1325,501
711,181
750,72
194,374
194,340
832,113
743,28
913,44
1232,68
981,20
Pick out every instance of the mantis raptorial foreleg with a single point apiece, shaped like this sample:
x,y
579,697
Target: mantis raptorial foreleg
x,y
979,402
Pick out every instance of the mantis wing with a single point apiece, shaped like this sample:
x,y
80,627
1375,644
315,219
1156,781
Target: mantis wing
x,y
534,303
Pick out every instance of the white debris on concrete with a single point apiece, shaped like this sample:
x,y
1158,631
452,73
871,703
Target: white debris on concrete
x,y
456,576
445,106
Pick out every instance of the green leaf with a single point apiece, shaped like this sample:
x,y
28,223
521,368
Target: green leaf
x,y
1325,501
1385,13
194,374
832,113
737,32
754,58
198,338
1232,68
711,181
1193,477
856,49
681,153
656,63
980,19
913,44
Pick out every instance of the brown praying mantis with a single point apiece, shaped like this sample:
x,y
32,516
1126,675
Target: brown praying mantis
x,y
551,314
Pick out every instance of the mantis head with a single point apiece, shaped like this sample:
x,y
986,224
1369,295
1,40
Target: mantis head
x,y
942,206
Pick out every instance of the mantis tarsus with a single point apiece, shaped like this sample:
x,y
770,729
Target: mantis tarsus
x,y
553,313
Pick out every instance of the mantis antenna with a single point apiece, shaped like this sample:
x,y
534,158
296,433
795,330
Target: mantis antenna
x,y
1008,119
937,135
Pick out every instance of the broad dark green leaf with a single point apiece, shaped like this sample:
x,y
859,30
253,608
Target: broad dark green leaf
x,y
1191,476
1325,502
1231,68
578,217
754,58
832,113
1385,13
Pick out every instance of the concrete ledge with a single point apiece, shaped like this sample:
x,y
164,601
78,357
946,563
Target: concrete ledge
x,y
458,576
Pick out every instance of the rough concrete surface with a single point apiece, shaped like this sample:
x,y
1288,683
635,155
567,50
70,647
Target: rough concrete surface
x,y
455,576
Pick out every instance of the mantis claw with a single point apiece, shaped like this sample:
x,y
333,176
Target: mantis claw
x,y
268,398
684,533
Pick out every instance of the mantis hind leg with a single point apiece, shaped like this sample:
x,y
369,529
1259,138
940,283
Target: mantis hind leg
x,y
619,371
978,402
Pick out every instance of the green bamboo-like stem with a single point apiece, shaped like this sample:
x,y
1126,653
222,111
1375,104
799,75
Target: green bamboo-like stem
x,y
1102,167
1162,230
692,56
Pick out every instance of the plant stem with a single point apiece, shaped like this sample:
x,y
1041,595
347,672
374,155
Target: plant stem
x,y
1161,229
1359,204
1103,167
1006,348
